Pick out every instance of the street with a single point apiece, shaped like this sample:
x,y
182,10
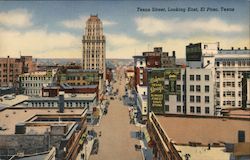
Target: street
x,y
117,140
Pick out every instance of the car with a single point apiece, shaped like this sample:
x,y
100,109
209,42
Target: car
x,y
95,147
112,98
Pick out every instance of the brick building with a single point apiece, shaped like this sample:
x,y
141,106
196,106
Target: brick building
x,y
11,68
155,59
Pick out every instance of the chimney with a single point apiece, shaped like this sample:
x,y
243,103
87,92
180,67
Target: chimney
x,y
173,53
232,48
61,102
245,48
167,54
238,48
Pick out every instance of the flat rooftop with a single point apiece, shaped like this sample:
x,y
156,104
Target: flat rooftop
x,y
9,117
203,129
13,100
89,96
237,112
202,153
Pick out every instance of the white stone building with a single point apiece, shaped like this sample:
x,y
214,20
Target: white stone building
x,y
94,44
199,91
31,83
227,66
230,66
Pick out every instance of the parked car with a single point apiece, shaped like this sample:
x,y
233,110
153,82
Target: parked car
x,y
95,147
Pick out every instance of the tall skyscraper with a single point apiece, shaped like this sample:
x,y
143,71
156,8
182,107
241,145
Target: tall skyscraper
x,y
94,45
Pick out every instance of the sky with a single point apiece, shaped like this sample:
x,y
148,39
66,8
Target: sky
x,y
54,29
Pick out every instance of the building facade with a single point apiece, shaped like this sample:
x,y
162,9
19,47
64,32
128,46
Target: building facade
x,y
32,83
228,67
166,90
200,91
78,77
94,45
53,91
246,90
11,68
154,59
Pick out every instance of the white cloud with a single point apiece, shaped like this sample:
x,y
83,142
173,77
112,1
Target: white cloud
x,y
108,23
152,26
120,40
39,43
75,23
80,22
19,18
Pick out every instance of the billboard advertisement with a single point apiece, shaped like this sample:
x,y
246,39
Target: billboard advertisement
x,y
156,90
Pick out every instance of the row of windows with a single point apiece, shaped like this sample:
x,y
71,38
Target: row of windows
x,y
178,98
178,108
232,63
198,88
228,84
198,99
32,92
93,43
34,78
67,104
32,84
198,109
229,74
198,77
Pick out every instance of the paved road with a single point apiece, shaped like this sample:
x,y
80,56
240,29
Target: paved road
x,y
118,135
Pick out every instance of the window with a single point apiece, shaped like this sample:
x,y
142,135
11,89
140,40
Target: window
x,y
207,110
218,64
141,62
198,77
167,97
241,136
206,99
166,108
206,88
178,98
218,75
192,109
198,99
178,87
217,94
178,108
218,84
198,88
198,109
207,77
191,77
192,88
239,84
191,98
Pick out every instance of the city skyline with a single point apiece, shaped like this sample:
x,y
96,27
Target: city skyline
x,y
55,29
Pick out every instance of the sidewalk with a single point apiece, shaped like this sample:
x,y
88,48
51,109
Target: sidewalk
x,y
86,150
147,153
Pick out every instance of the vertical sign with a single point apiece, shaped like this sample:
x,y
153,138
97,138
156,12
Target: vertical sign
x,y
172,76
156,91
